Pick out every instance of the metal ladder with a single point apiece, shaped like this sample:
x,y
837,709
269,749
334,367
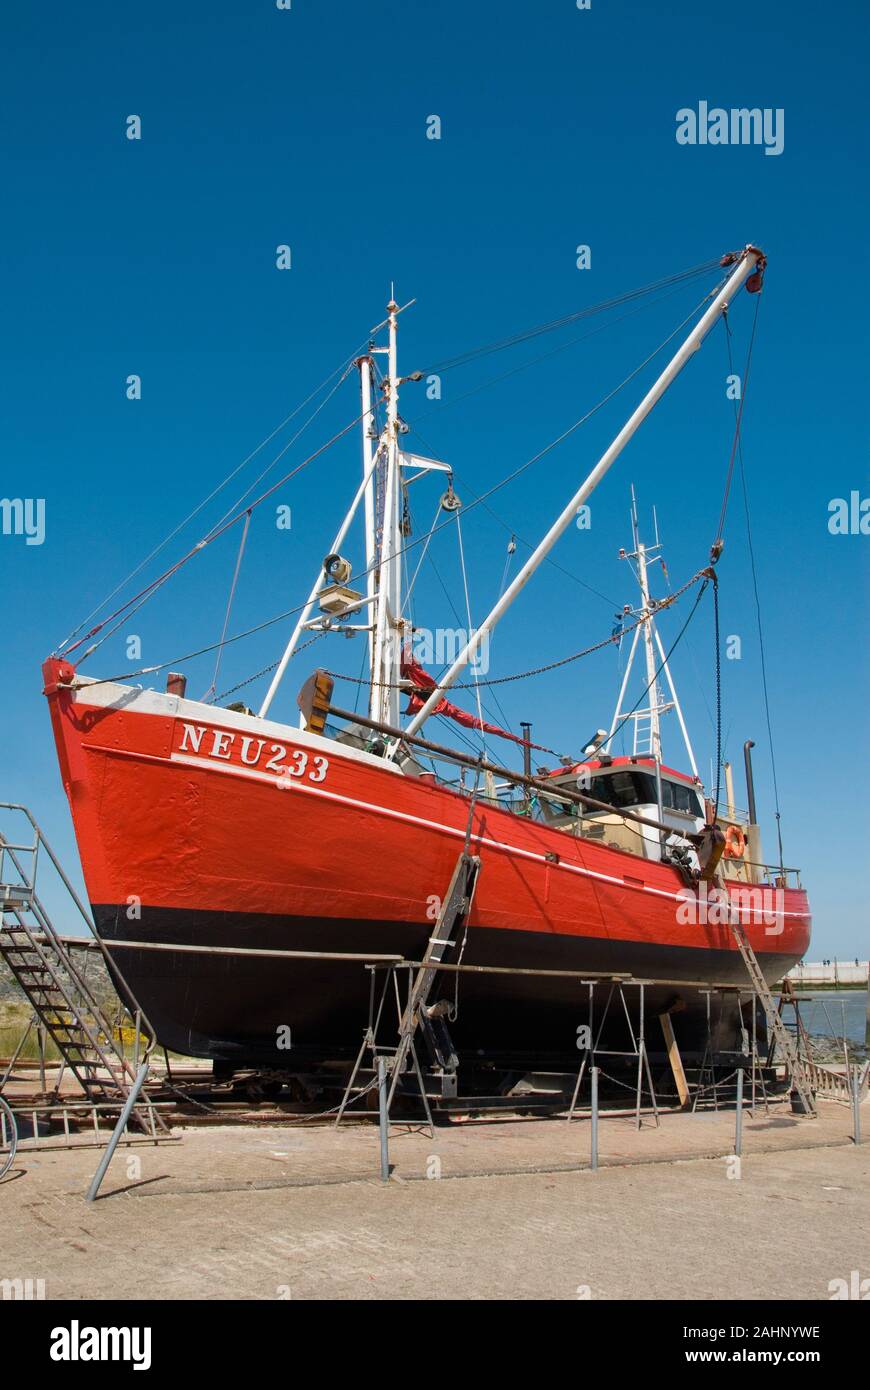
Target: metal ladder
x,y
56,988
451,919
775,1022
642,740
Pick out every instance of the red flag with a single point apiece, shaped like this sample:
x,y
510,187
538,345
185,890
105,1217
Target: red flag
x,y
426,684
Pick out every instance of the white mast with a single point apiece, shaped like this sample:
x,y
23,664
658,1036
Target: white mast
x,y
656,663
747,263
386,666
383,561
677,708
655,705
305,615
368,454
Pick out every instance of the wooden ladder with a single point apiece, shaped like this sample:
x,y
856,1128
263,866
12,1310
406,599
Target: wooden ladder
x,y
450,922
775,1022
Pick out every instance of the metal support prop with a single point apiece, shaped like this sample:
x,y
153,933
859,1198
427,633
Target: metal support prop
x,y
123,1118
383,1119
738,1124
638,1044
856,1105
593,1161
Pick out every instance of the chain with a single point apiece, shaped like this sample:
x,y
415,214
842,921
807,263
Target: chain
x,y
615,637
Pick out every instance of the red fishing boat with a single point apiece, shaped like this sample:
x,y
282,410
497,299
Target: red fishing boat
x,y
242,872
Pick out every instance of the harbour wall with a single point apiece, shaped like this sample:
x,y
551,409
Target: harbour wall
x,y
831,972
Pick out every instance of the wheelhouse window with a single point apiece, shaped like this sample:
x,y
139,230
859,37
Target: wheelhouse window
x,y
676,796
627,787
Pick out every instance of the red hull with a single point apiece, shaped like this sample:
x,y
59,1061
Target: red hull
x,y
226,828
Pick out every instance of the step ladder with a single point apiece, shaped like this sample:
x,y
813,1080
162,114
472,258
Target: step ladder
x,y
779,1031
58,991
449,925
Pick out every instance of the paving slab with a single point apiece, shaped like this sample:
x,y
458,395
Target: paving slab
x,y
494,1209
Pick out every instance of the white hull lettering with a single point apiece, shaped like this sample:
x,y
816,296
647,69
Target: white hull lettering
x,y
192,739
273,765
243,749
246,748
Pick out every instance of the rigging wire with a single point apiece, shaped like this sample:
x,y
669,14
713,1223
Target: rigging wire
x,y
429,534
302,428
147,592
150,589
452,606
232,594
550,665
690,649
544,356
266,669
362,666
707,575
470,625
757,599
718,697
481,501
205,501
474,354
739,411
280,617
511,551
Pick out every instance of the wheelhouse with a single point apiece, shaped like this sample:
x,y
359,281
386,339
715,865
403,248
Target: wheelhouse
x,y
626,784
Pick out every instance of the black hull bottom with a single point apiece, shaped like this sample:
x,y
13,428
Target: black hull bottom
x,y
237,1009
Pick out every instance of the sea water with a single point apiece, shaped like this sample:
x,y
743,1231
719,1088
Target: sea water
x,y
826,1010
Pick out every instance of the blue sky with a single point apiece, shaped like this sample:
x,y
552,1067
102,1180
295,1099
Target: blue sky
x,y
263,127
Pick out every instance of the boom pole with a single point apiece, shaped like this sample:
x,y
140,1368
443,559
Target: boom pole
x,y
749,259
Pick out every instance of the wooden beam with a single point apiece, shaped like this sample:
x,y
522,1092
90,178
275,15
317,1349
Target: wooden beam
x,y
675,1059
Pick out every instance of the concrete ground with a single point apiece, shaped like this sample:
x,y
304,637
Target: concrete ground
x,y
488,1210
